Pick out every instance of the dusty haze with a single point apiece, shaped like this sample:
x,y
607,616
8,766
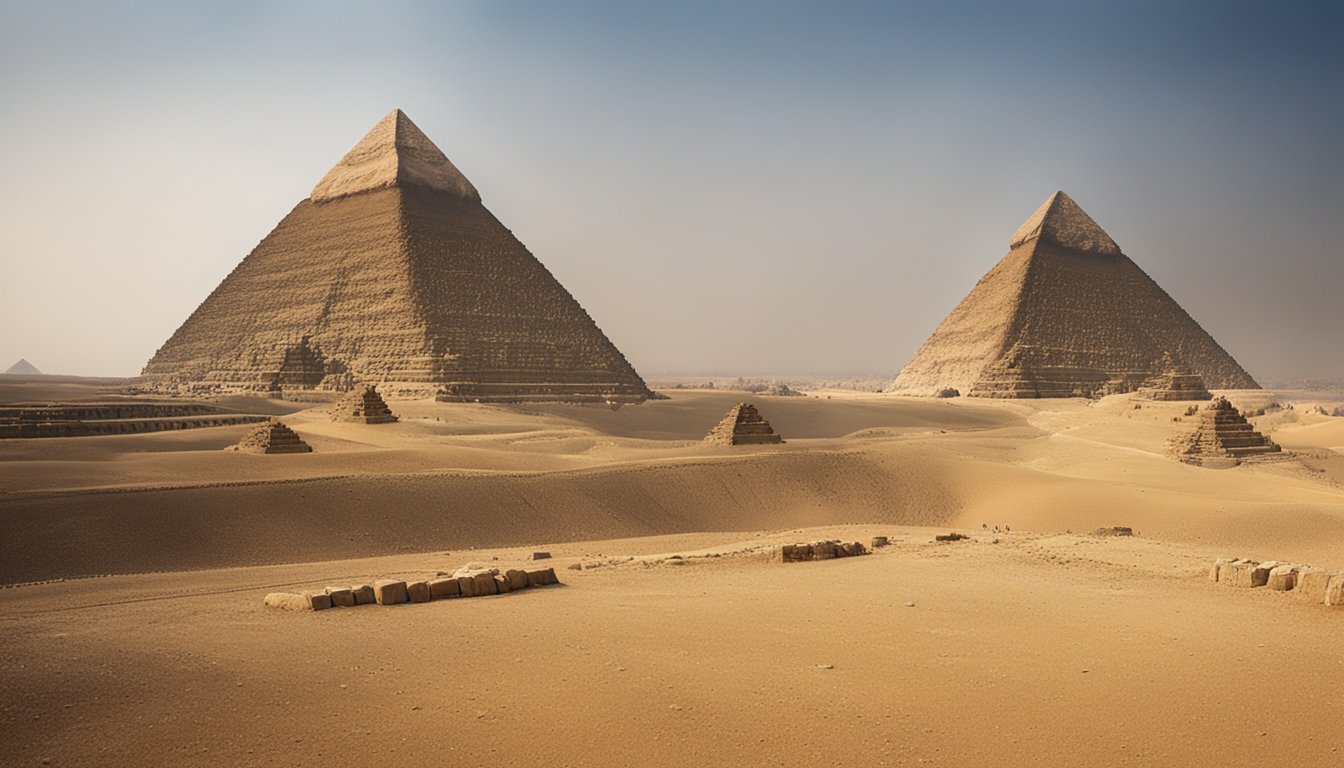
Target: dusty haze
x,y
860,166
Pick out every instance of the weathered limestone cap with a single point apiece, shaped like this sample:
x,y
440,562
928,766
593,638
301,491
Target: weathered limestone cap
x,y
1060,220
394,153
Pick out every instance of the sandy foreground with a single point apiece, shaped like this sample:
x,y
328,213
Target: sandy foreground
x,y
1046,645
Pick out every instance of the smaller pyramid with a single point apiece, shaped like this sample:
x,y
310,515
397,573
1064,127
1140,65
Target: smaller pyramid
x,y
363,405
1223,436
743,425
1174,383
23,368
273,437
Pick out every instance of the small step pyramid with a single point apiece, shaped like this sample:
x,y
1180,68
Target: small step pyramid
x,y
1222,435
743,425
393,271
363,404
1064,314
273,437
23,368
1174,383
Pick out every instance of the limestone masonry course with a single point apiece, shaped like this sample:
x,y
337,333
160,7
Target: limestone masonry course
x,y
394,272
1064,314
1174,384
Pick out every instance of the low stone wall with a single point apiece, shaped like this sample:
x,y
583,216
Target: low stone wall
x,y
1311,584
820,550
464,582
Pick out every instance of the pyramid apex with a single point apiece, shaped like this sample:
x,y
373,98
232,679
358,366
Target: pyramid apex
x,y
1062,221
394,152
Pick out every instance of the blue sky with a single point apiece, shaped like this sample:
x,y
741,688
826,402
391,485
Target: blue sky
x,y
744,188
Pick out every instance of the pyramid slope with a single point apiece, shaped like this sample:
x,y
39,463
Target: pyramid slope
x,y
417,287
394,152
1057,320
23,368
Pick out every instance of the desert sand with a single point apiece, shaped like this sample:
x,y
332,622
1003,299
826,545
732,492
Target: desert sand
x,y
139,634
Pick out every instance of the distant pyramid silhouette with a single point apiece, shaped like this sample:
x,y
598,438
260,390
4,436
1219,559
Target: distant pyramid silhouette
x,y
1065,313
393,271
23,368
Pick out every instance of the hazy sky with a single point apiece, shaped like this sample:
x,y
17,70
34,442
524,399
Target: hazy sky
x,y
726,187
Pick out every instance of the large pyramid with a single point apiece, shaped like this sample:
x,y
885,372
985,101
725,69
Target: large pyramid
x,y
394,272
1065,313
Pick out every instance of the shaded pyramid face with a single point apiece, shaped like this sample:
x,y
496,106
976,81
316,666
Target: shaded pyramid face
x,y
394,272
1064,314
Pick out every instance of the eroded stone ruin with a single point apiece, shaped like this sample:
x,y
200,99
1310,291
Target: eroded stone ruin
x,y
1312,584
393,271
363,405
464,582
1222,436
820,550
273,437
1174,384
743,425
85,419
1064,314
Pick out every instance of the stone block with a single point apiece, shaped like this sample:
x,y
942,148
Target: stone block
x,y
1241,573
1312,584
418,591
823,550
390,592
502,584
442,589
541,555
1215,571
318,601
517,578
364,594
880,541
1260,573
466,586
485,584
1283,578
288,601
341,597
542,577
1334,593
854,548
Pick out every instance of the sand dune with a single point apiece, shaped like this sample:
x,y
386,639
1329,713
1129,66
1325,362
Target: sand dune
x,y
1045,644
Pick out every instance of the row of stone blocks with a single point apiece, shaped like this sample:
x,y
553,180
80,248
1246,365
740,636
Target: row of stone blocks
x,y
1316,585
393,592
820,550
